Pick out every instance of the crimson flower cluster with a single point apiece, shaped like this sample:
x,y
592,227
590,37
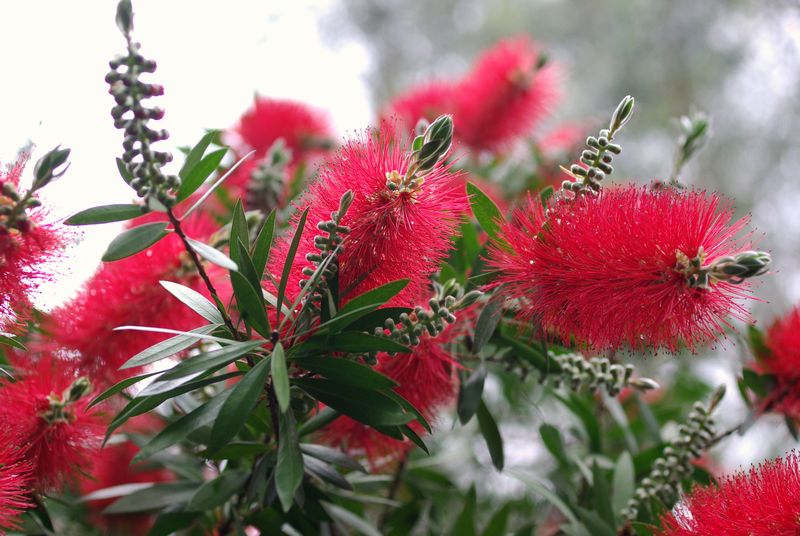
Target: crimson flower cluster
x,y
764,501
29,244
505,95
611,271
782,360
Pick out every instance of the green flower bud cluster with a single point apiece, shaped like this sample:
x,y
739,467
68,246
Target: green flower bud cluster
x,y
675,464
267,180
731,268
579,373
143,164
448,298
13,205
599,154
58,410
328,244
427,150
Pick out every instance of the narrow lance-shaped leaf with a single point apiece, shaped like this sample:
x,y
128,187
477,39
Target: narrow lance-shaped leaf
x,y
491,434
194,300
105,214
200,172
289,469
135,240
287,266
250,304
280,377
236,409
485,211
264,244
213,255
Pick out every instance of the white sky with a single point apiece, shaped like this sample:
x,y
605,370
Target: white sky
x,y
212,58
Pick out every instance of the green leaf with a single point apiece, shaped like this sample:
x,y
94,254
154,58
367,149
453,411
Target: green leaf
x,y
497,524
485,211
289,467
167,348
370,407
326,473
356,342
585,412
287,265
757,343
115,491
120,386
236,410
197,152
375,297
409,432
487,322
545,194
409,407
168,523
212,255
760,384
321,419
329,455
197,175
263,245
210,360
280,377
239,231
105,214
491,434
623,483
470,393
12,342
534,356
122,167
532,482
602,495
251,304
465,522
551,438
195,301
155,497
595,524
177,430
348,518
347,372
135,240
217,491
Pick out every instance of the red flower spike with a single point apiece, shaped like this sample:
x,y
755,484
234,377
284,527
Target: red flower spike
x,y
305,130
15,475
127,292
505,96
427,101
45,414
426,380
607,270
762,502
783,361
394,234
25,251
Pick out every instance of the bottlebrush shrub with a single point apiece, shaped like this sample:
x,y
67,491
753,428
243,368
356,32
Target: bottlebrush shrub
x,y
247,349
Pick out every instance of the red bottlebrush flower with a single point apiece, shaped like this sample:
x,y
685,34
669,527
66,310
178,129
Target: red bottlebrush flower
x,y
305,132
507,93
44,413
304,129
401,233
783,361
27,245
762,502
15,476
614,270
127,292
425,379
427,101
